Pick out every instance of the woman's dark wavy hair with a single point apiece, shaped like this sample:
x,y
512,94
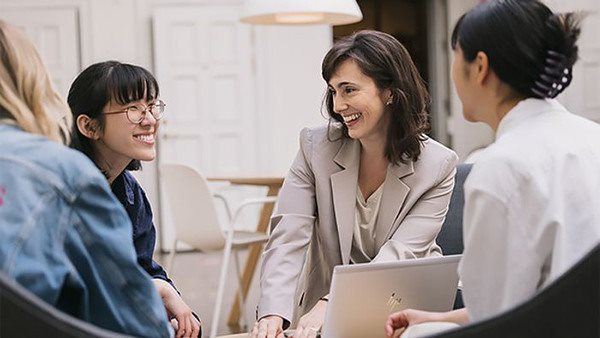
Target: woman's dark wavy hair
x,y
385,60
516,36
100,83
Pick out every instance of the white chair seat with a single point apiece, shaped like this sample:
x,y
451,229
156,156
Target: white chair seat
x,y
244,238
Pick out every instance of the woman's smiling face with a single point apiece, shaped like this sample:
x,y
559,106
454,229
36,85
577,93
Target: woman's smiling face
x,y
359,101
122,141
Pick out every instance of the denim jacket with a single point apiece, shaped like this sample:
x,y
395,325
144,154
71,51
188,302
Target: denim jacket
x,y
66,238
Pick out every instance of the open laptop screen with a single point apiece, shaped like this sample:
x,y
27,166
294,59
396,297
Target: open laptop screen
x,y
363,295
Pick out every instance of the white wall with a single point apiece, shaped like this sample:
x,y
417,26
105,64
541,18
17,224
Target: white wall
x,y
581,97
290,88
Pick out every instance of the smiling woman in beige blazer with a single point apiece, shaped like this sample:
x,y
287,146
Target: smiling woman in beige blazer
x,y
369,186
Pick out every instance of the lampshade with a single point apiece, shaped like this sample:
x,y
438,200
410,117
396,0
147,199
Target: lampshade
x,y
298,12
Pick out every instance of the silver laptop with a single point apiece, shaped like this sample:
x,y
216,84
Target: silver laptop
x,y
363,295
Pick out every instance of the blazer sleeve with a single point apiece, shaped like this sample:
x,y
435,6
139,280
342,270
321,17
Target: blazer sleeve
x,y
416,234
293,222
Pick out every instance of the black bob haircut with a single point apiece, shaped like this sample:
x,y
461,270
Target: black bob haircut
x,y
100,84
516,36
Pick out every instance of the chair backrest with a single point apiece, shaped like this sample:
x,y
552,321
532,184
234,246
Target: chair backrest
x,y
450,238
192,207
568,307
23,314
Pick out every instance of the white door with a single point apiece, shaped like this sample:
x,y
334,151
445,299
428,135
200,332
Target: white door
x,y
203,66
202,63
55,33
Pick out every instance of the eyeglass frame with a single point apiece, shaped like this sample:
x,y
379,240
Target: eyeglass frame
x,y
160,103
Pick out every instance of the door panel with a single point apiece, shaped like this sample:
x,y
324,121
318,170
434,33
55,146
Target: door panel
x,y
203,65
55,33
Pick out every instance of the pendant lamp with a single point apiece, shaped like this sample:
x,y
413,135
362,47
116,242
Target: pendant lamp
x,y
301,12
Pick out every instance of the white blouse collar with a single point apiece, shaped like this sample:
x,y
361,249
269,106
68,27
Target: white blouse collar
x,y
526,109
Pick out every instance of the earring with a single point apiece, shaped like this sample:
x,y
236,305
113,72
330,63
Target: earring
x,y
389,101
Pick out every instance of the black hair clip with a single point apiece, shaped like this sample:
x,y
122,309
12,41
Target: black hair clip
x,y
555,76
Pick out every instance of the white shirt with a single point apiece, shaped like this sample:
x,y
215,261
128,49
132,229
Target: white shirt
x,y
532,206
363,239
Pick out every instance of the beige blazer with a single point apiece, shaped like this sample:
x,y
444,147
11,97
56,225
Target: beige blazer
x,y
314,220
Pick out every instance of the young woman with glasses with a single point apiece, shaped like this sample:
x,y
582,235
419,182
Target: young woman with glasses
x,y
117,113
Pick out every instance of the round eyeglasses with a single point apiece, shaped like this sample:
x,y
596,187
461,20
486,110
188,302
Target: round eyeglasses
x,y
136,114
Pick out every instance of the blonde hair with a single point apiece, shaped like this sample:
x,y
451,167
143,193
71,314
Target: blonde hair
x,y
26,93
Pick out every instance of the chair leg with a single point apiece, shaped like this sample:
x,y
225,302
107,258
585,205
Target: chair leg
x,y
240,290
220,290
171,258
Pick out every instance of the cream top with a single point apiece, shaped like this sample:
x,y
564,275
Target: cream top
x,y
363,239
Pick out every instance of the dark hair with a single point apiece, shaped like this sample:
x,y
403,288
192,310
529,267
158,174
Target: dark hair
x,y
385,60
100,83
528,47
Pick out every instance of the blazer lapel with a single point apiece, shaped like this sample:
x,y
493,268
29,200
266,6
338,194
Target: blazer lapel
x,y
394,194
343,186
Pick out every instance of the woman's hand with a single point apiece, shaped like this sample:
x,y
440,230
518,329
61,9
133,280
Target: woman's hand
x,y
405,318
268,327
187,325
310,324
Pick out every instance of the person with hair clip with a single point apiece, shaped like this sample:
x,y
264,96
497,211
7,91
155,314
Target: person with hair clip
x,y
370,186
531,199
63,234
117,113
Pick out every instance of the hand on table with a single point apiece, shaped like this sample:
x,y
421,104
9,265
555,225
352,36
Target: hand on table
x,y
268,327
184,322
405,318
310,324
